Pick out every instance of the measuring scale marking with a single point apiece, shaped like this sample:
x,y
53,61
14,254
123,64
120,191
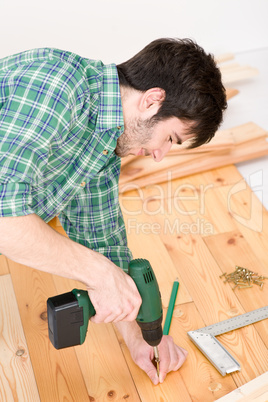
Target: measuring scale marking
x,y
204,339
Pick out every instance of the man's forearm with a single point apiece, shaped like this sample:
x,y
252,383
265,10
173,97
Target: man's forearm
x,y
30,241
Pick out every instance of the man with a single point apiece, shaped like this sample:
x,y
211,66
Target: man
x,y
65,122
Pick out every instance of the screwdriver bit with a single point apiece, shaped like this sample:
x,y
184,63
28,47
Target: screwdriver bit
x,y
156,358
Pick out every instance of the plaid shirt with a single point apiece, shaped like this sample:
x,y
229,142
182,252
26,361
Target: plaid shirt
x,y
60,117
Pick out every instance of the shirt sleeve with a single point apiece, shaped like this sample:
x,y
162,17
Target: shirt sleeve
x,y
94,218
37,110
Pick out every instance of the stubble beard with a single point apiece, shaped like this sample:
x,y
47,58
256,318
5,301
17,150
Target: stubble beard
x,y
137,133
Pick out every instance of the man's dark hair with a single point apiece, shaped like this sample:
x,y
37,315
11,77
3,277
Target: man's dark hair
x,y
190,78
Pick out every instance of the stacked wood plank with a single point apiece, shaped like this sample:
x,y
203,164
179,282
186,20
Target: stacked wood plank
x,y
233,72
241,143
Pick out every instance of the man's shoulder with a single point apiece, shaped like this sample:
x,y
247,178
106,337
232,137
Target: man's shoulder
x,y
52,55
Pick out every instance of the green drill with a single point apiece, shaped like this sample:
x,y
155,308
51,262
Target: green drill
x,y
69,313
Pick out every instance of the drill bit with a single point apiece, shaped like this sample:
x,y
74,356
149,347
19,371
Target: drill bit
x,y
156,358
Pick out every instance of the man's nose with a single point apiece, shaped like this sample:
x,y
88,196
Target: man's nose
x,y
158,154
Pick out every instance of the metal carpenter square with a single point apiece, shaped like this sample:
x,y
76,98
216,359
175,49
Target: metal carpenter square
x,y
204,339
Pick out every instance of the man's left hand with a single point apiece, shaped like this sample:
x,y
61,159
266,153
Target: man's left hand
x,y
171,356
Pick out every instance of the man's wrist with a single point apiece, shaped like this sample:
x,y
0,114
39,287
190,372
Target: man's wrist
x,y
129,330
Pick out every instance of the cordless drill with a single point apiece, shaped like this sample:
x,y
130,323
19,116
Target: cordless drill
x,y
69,313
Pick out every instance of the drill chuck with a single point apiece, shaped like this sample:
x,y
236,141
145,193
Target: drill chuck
x,y
152,331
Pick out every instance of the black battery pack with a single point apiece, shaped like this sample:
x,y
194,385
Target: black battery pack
x,y
65,318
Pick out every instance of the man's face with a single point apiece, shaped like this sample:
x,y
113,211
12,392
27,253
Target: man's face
x,y
142,138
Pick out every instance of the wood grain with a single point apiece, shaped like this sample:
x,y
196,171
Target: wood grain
x,y
58,374
17,381
3,265
255,390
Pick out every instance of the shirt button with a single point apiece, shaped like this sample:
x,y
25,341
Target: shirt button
x,y
105,152
83,184
119,127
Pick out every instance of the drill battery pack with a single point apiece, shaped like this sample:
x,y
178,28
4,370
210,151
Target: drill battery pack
x,y
65,317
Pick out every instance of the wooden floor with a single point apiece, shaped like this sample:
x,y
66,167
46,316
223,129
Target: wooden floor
x,y
195,229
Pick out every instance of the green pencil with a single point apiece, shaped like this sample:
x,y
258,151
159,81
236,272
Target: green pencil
x,y
171,306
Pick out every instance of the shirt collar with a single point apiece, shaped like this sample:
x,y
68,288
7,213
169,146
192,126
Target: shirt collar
x,y
110,111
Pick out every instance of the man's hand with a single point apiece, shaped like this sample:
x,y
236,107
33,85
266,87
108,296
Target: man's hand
x,y
171,356
114,296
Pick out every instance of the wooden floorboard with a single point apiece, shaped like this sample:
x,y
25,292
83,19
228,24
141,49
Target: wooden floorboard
x,y
17,380
194,228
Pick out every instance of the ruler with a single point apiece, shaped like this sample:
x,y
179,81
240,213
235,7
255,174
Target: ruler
x,y
204,339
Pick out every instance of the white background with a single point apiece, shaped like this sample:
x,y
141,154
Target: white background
x,y
114,30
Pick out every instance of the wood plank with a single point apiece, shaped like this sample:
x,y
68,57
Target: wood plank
x,y
254,149
200,207
231,249
249,216
222,139
223,176
102,364
254,391
238,207
250,141
105,371
231,92
173,189
144,242
245,133
145,171
234,73
145,166
221,58
57,372
230,67
4,270
17,381
135,167
193,202
196,369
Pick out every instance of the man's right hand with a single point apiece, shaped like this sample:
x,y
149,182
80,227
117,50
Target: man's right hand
x,y
114,295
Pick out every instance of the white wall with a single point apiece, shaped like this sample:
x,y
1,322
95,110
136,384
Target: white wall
x,y
113,30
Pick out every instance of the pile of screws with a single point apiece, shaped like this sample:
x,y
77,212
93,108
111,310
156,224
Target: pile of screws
x,y
244,278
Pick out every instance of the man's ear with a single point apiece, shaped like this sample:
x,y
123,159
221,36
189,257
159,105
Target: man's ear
x,y
152,99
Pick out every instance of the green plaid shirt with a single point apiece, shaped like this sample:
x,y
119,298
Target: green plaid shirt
x,y
60,117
